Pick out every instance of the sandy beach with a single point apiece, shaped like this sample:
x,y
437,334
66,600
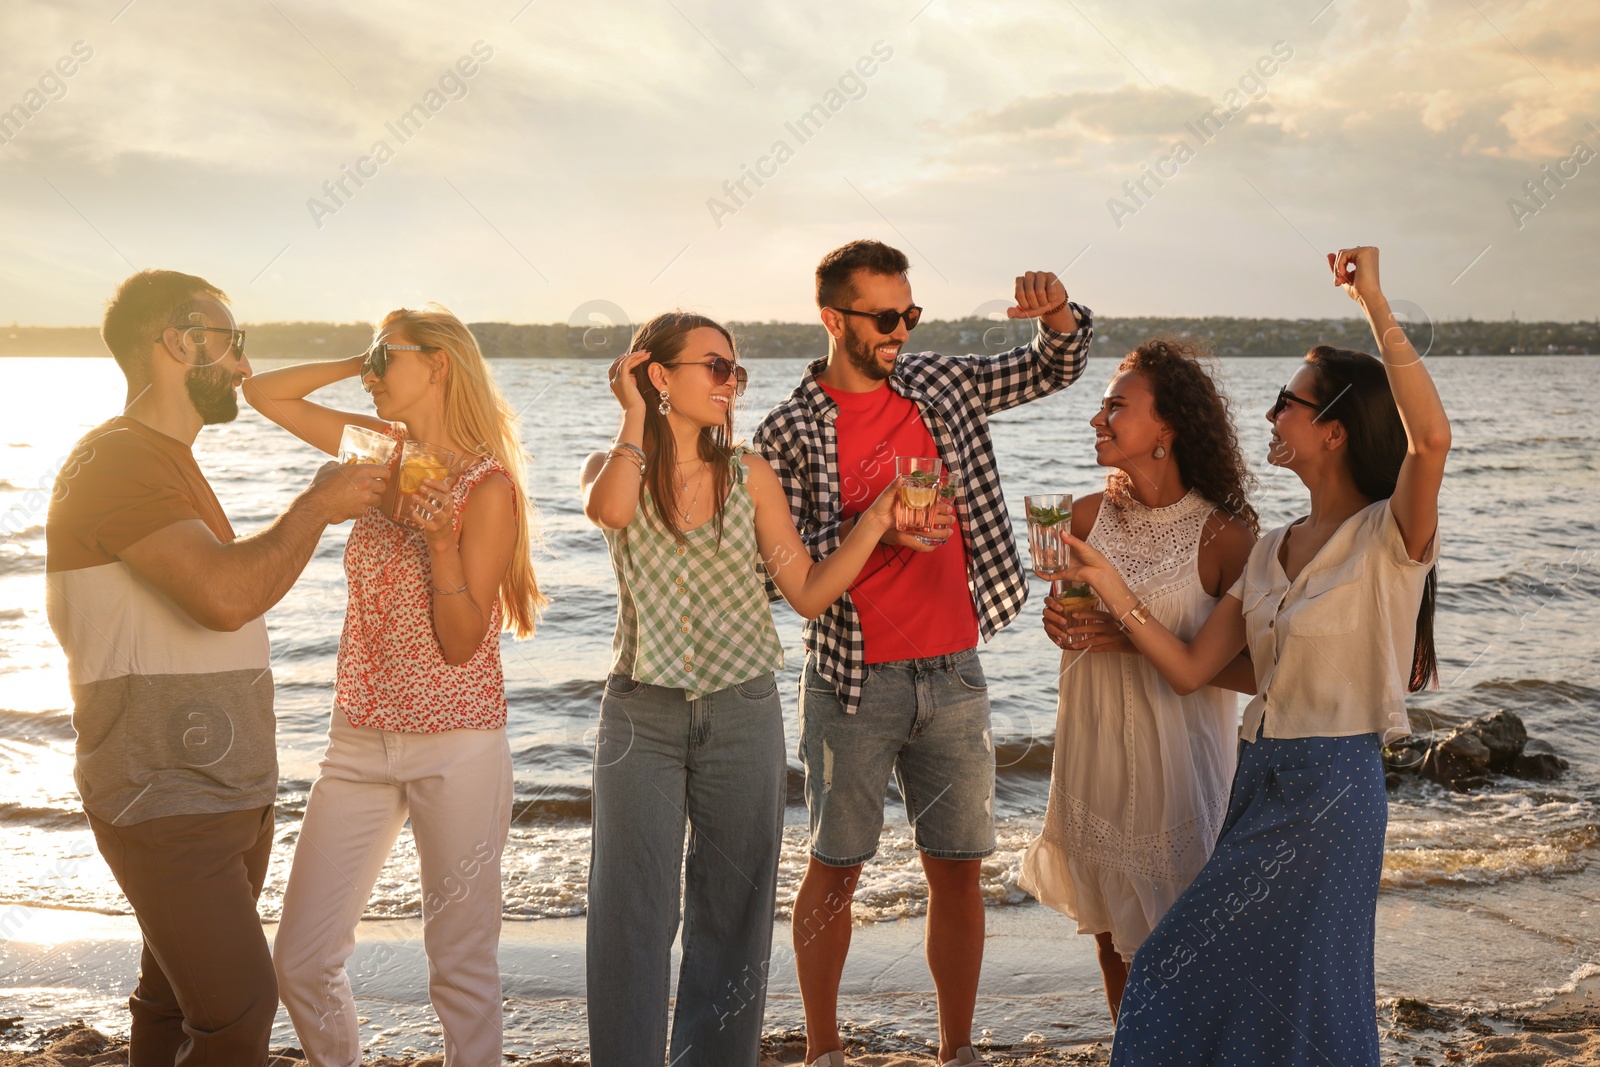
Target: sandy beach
x,y
1412,1033
1039,1003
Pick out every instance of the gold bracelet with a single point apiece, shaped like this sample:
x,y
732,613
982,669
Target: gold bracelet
x,y
1140,613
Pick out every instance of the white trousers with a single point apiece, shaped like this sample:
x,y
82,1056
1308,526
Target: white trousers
x,y
456,788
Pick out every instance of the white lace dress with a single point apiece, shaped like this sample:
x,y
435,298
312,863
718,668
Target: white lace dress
x,y
1140,779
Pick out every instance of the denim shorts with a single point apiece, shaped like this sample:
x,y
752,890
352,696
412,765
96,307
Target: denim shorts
x,y
924,720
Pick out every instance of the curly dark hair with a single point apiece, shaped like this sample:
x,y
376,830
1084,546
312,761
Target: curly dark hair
x,y
1180,376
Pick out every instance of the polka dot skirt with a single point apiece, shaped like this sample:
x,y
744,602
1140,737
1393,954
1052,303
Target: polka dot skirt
x,y
1267,957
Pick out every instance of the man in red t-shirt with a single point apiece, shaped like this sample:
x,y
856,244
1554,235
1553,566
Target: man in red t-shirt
x,y
159,610
892,681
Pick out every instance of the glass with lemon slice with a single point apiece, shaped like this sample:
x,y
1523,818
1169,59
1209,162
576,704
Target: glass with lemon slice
x,y
919,488
418,463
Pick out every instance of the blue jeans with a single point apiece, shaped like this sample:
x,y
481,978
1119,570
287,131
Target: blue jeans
x,y
716,764
926,721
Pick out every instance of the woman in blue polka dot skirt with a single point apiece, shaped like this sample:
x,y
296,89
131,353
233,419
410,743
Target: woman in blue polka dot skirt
x,y
1266,959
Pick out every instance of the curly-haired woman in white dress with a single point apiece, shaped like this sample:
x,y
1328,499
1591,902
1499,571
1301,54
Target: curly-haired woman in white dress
x,y
1140,779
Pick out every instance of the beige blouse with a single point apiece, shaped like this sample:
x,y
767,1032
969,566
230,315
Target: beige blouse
x,y
1332,649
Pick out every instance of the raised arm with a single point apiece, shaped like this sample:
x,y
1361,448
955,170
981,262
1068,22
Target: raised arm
x,y
223,586
280,396
1053,360
610,481
1415,502
810,585
1185,665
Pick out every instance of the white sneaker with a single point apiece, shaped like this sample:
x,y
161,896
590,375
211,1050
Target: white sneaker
x,y
829,1059
967,1056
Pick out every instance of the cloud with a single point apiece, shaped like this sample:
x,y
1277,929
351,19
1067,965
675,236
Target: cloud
x,y
1126,111
578,164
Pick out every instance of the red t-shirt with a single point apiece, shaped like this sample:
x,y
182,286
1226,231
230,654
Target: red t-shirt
x,y
911,604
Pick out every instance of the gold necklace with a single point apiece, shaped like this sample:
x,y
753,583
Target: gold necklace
x,y
683,487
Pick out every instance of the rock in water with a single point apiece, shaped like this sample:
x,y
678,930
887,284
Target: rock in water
x,y
1503,734
1538,760
1460,761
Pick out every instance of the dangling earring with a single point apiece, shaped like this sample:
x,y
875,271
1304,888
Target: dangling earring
x,y
1160,452
666,403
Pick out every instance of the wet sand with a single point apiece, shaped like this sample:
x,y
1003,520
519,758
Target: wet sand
x,y
1413,1034
1503,973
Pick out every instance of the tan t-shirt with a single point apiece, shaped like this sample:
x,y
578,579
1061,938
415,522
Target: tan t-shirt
x,y
1332,649
172,718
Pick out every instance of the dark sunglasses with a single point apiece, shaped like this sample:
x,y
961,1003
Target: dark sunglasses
x,y
886,321
235,337
377,361
722,369
1285,398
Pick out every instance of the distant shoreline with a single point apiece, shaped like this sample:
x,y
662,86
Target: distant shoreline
x,y
1226,337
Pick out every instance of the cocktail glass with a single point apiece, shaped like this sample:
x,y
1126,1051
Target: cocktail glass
x,y
418,463
950,494
360,445
919,488
1049,523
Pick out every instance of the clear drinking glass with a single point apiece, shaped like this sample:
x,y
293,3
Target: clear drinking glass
x,y
949,493
360,445
919,488
1049,523
950,488
418,463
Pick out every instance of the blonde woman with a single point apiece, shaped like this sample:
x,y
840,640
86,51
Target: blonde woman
x,y
418,724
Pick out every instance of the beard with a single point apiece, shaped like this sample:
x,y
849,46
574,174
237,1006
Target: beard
x,y
862,356
211,392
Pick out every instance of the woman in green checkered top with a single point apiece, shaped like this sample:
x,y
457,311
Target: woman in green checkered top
x,y
691,730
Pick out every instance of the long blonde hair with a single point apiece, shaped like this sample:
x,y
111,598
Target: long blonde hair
x,y
477,415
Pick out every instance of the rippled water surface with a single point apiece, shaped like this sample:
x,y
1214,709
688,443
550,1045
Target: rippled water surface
x,y
1517,628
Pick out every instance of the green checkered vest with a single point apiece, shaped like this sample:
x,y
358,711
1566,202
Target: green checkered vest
x,y
693,616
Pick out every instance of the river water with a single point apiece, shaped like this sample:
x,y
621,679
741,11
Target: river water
x,y
1517,625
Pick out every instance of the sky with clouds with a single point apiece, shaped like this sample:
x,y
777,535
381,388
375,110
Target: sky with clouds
x,y
557,157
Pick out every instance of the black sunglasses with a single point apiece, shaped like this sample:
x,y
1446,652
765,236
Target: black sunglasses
x,y
235,337
886,321
722,368
377,361
1285,398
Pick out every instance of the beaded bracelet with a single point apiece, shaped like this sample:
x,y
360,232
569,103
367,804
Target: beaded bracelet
x,y
451,592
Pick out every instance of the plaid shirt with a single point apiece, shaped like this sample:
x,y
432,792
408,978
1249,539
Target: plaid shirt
x,y
955,395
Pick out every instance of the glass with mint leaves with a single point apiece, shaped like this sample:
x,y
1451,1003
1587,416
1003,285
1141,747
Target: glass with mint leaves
x,y
1049,523
919,488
